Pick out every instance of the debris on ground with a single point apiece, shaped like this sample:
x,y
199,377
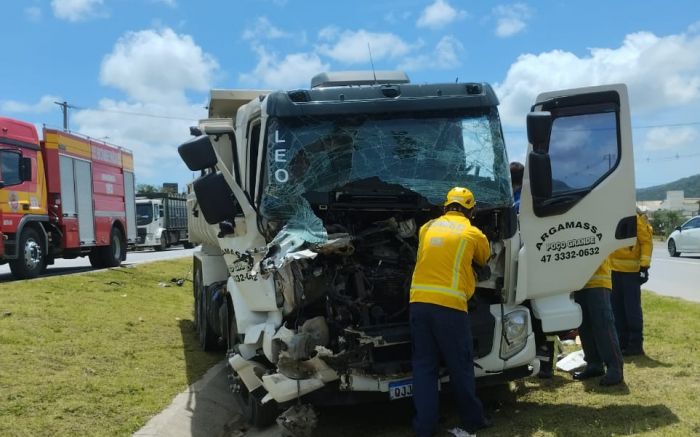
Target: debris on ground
x,y
163,284
6,313
178,281
574,360
298,421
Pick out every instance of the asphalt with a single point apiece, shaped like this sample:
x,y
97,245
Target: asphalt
x,y
205,409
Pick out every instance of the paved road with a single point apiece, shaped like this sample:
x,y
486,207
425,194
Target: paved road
x,y
676,277
68,266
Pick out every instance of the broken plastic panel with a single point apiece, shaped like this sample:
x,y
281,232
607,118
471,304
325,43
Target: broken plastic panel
x,y
380,156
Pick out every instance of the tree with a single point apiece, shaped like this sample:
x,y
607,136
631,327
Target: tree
x,y
146,189
664,221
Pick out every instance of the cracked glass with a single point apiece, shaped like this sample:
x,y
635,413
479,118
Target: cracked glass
x,y
425,155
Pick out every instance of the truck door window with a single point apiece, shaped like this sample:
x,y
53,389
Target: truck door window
x,y
583,150
9,167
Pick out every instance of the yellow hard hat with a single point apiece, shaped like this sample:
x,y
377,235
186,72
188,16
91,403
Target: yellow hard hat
x,y
461,196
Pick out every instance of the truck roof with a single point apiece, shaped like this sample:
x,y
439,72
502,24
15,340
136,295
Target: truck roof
x,y
18,133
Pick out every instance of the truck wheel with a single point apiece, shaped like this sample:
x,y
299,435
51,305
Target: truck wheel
x,y
672,249
163,242
112,255
207,336
95,258
31,256
187,245
255,412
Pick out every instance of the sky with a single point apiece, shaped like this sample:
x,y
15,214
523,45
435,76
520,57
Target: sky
x,y
137,73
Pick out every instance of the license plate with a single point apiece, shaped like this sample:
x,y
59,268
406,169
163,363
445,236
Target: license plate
x,y
401,389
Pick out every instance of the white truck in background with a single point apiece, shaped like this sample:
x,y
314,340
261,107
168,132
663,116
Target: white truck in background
x,y
308,206
161,220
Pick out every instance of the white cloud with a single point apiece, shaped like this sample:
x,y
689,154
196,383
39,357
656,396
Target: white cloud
x,y
45,104
351,47
666,138
153,140
75,10
511,19
294,70
33,13
445,56
661,73
262,29
438,15
158,66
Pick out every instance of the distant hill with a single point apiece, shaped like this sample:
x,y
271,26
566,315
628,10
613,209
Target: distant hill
x,y
689,185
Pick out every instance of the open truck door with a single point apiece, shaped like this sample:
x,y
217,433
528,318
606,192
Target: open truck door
x,y
578,196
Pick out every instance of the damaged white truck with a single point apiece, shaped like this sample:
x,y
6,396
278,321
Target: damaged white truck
x,y
308,205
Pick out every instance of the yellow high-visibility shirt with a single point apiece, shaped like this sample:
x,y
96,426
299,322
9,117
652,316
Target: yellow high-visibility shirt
x,y
601,277
631,258
443,273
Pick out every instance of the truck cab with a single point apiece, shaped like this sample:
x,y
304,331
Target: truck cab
x,y
310,202
161,220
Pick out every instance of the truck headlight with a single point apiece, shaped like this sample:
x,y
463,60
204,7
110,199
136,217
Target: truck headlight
x,y
514,335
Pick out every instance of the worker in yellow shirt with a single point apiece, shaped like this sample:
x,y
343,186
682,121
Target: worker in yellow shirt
x,y
597,330
630,269
443,281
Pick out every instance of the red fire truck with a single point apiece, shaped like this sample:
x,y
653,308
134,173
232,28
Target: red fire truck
x,y
63,196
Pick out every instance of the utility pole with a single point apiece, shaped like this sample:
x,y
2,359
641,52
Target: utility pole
x,y
64,107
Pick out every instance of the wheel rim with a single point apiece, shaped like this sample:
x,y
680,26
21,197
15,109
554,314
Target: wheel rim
x,y
32,254
116,247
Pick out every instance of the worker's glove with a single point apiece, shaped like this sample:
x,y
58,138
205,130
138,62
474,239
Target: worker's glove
x,y
643,274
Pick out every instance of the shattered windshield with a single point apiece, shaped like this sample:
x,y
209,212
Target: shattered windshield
x,y
427,155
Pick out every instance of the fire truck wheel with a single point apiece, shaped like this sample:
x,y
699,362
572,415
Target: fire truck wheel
x,y
31,256
96,260
112,255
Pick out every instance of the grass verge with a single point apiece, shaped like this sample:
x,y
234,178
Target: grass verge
x,y
96,353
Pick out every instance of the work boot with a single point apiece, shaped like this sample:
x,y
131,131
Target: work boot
x,y
607,380
588,374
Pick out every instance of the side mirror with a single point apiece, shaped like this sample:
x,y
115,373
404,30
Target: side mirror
x,y
539,129
25,169
678,228
540,175
215,198
198,153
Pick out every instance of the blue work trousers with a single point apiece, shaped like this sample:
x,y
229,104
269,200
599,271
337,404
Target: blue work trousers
x,y
626,300
438,331
597,332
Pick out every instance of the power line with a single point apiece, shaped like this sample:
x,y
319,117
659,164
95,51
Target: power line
x,y
137,114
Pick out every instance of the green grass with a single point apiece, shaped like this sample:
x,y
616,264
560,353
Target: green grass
x,y
661,396
96,353
100,353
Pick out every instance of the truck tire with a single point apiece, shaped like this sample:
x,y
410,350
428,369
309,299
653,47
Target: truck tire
x,y
187,245
255,412
163,243
672,249
207,336
31,255
112,255
95,258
